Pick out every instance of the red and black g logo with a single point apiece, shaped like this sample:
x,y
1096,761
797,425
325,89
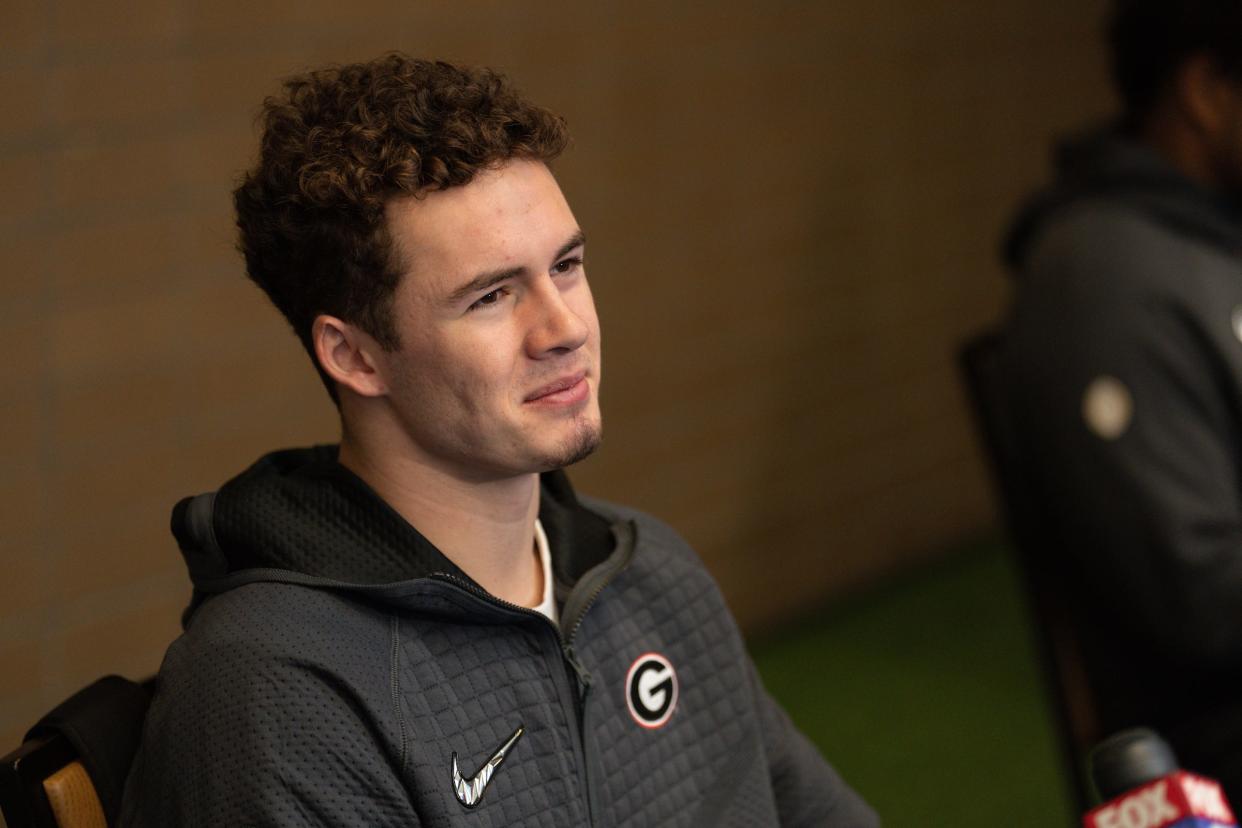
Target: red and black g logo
x,y
651,690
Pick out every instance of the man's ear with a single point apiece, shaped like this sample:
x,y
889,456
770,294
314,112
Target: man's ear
x,y
348,355
1203,94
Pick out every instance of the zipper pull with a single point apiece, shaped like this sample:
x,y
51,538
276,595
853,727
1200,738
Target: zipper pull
x,y
583,674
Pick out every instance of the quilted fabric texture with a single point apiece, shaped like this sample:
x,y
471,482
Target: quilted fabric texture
x,y
313,507
294,700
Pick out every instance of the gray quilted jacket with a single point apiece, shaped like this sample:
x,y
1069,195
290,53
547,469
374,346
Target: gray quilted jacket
x,y
337,669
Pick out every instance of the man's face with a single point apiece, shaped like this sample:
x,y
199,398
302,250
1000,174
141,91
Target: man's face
x,y
499,366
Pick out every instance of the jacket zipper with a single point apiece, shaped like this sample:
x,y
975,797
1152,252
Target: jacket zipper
x,y
586,592
580,600
581,689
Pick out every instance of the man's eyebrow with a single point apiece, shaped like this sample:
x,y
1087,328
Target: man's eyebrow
x,y
494,277
576,240
484,281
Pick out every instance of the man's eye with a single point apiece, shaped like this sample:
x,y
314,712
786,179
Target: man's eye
x,y
487,299
567,265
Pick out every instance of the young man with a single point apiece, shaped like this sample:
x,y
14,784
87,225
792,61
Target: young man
x,y
1123,360
426,626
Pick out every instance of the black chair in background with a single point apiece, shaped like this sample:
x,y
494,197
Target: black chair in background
x,y
70,770
1057,640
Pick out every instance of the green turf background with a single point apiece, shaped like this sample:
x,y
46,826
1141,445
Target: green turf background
x,y
926,696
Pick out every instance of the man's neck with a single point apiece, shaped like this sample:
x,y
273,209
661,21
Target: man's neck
x,y
486,528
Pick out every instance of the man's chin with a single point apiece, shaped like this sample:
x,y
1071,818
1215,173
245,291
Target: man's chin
x,y
585,439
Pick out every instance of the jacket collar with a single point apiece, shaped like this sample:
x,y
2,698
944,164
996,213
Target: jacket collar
x,y
1104,162
300,512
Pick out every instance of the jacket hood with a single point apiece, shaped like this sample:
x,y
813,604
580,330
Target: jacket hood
x,y
1104,163
300,516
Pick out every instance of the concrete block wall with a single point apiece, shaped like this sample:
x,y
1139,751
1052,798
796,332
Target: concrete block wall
x,y
793,211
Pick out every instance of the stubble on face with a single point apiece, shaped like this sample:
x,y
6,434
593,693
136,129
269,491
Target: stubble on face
x,y
581,444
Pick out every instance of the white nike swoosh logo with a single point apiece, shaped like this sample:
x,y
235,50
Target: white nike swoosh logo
x,y
470,791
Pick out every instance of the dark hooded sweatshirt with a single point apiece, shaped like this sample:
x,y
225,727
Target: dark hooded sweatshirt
x,y
337,669
1122,372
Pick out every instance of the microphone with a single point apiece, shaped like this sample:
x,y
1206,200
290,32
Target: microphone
x,y
1137,773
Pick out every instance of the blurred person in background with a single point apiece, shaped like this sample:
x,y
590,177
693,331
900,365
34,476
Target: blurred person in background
x,y
425,625
1122,362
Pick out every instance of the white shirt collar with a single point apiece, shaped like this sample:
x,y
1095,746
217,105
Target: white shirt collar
x,y
548,605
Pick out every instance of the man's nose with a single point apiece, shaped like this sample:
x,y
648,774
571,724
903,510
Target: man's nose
x,y
557,327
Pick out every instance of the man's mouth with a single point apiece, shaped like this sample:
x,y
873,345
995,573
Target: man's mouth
x,y
568,389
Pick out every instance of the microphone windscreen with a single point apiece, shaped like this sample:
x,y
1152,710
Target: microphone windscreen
x,y
1129,760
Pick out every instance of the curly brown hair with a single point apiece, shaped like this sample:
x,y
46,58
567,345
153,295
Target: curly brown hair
x,y
337,146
